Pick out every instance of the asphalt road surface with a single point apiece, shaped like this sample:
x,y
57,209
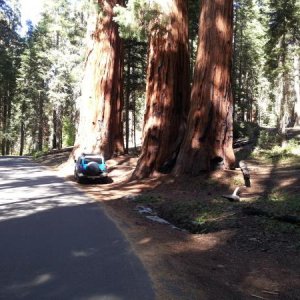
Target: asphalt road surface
x,y
56,243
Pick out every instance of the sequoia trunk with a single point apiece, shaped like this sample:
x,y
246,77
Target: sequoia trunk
x,y
167,93
100,125
209,134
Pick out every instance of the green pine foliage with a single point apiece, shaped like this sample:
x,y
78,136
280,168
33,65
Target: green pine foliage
x,y
49,76
139,18
10,48
40,73
283,37
249,82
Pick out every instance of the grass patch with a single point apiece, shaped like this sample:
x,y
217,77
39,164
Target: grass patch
x,y
148,199
280,203
275,227
270,152
194,215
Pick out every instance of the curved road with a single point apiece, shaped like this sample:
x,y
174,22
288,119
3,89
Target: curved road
x,y
56,243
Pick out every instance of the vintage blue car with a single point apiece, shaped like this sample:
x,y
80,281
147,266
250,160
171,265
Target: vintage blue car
x,y
90,166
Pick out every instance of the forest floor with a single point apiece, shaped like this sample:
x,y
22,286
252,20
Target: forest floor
x,y
213,248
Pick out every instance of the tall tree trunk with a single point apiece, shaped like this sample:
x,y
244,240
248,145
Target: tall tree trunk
x,y
9,111
4,126
283,115
167,94
100,125
241,100
209,133
234,61
22,138
127,99
297,90
40,122
22,129
54,137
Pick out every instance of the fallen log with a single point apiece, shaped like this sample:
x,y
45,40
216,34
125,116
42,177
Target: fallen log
x,y
246,172
241,142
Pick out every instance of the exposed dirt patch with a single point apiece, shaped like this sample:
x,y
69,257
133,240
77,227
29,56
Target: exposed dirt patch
x,y
233,255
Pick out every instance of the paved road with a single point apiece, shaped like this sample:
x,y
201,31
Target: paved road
x,y
56,243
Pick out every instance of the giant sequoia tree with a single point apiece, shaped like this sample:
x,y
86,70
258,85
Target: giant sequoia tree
x,y
99,128
167,92
209,131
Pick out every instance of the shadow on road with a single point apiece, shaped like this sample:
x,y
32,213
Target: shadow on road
x,y
56,243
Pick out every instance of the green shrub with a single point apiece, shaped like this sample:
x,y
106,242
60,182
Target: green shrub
x,y
270,150
268,139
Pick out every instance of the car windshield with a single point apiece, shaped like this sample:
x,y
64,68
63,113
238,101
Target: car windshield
x,y
98,160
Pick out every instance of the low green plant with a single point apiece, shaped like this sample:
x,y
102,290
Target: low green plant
x,y
268,139
289,152
38,154
69,132
148,199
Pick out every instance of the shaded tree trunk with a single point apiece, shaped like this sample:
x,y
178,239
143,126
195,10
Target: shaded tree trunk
x,y
127,99
9,111
167,94
22,138
297,90
54,138
100,125
57,127
4,123
284,114
40,123
209,134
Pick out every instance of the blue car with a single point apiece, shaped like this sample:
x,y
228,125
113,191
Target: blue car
x,y
90,166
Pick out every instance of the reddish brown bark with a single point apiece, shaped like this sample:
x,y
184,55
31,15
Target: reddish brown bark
x,y
209,132
167,93
100,125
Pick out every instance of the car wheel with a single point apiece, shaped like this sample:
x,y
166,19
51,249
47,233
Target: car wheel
x,y
105,180
77,178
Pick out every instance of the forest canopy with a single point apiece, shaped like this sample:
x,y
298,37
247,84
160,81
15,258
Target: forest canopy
x,y
110,75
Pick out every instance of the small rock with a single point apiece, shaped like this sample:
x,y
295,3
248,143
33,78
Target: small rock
x,y
177,228
157,219
130,197
144,210
253,239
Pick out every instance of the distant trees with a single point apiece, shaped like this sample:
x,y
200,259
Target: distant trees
x,y
282,60
135,64
48,78
10,48
249,84
178,69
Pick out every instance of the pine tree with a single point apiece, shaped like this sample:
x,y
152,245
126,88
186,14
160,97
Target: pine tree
x,y
49,78
10,47
248,60
282,46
